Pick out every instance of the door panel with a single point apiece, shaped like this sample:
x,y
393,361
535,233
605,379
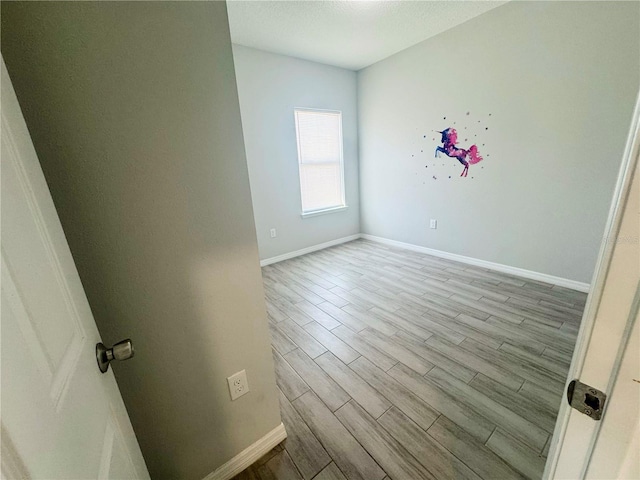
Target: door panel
x,y
61,418
51,327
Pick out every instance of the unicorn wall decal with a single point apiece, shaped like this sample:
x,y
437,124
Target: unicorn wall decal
x,y
449,148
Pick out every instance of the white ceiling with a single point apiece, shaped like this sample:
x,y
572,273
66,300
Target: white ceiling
x,y
351,34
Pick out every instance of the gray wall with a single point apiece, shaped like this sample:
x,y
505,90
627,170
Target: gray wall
x,y
559,80
134,113
270,86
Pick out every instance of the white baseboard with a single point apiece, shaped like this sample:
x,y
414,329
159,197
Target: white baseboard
x,y
303,251
249,455
520,272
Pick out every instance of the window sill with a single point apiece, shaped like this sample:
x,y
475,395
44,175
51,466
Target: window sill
x,y
324,212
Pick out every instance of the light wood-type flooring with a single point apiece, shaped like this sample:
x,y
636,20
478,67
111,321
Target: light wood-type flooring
x,y
397,364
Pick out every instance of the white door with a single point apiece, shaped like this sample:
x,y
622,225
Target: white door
x,y
607,354
61,417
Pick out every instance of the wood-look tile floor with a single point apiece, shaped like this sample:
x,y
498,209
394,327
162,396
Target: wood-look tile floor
x,y
397,364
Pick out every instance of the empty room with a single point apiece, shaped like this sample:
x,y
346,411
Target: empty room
x,y
326,240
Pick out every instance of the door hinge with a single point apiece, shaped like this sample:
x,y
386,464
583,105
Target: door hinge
x,y
586,399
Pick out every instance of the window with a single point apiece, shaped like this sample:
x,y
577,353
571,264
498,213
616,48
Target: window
x,y
319,135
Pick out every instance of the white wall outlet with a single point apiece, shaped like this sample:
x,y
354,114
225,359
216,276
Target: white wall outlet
x,y
433,223
238,384
273,233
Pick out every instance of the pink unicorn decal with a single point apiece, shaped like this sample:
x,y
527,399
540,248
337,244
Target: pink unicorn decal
x,y
449,141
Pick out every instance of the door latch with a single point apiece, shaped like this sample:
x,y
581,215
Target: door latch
x,y
586,399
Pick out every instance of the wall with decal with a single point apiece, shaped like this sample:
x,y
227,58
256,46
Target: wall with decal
x,y
508,129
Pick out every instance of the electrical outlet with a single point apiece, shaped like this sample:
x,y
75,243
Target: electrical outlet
x,y
433,223
273,233
238,384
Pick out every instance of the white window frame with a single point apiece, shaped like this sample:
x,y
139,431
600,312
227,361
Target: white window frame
x,y
343,205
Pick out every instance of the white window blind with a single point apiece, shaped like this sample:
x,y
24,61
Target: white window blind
x,y
319,135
